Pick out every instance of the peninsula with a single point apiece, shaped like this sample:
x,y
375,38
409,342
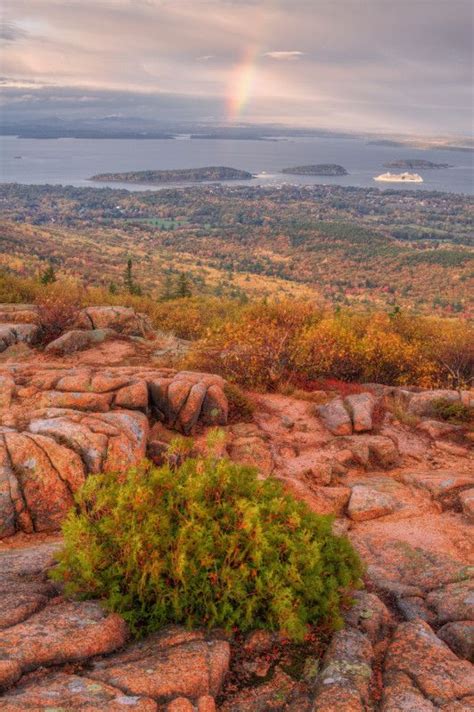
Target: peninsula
x,y
180,175
321,169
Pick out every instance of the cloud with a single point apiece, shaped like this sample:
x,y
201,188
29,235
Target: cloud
x,y
287,55
363,64
9,32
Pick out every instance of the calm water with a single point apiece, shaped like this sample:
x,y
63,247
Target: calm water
x,y
73,161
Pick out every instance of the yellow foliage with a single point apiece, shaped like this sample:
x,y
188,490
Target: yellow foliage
x,y
267,344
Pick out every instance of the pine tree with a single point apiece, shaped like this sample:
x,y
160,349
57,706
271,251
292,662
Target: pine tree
x,y
131,285
184,289
129,275
168,292
48,276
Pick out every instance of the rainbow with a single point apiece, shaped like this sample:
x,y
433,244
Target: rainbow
x,y
241,83
242,79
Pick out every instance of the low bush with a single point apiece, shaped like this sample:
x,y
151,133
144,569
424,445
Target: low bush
x,y
452,412
205,543
398,407
241,408
56,315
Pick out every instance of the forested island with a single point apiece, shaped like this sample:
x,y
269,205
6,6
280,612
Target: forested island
x,y
416,163
321,169
180,175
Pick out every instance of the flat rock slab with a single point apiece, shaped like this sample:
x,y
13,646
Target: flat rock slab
x,y
16,607
454,602
400,569
270,696
459,635
253,451
61,692
421,668
191,668
440,484
77,340
369,503
372,450
343,683
66,632
369,615
24,570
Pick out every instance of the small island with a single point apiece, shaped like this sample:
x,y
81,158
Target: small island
x,y
385,142
321,169
416,163
179,175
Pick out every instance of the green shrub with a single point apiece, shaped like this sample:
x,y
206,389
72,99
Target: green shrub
x,y
205,544
452,412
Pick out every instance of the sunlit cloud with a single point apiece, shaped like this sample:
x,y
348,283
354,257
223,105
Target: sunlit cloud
x,y
286,55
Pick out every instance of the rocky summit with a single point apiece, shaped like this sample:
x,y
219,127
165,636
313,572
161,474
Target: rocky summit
x,y
398,481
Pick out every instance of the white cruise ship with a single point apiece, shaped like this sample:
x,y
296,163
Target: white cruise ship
x,y
399,178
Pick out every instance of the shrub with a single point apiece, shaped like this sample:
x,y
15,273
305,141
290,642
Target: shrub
x,y
398,408
452,412
208,544
56,315
254,349
241,408
327,349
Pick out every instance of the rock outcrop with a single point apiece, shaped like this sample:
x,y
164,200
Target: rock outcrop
x,y
401,491
58,425
11,334
123,320
77,340
70,646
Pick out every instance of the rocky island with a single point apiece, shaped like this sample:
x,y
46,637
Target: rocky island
x,y
180,175
416,163
321,169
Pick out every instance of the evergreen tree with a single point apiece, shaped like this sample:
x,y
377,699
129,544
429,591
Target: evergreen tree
x,y
184,288
48,276
131,285
168,291
129,275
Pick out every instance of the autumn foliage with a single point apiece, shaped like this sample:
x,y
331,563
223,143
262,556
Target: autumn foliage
x,y
270,344
267,346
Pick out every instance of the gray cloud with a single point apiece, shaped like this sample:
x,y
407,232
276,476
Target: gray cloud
x,y
9,32
365,64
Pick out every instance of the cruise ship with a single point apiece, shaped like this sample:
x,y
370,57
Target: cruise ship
x,y
400,178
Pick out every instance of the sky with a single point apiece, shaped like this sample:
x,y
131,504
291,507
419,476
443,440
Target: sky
x,y
397,66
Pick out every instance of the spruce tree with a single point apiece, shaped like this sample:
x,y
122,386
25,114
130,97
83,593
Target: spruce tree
x,y
129,275
48,276
184,289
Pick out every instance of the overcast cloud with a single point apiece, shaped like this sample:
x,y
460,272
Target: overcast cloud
x,y
376,65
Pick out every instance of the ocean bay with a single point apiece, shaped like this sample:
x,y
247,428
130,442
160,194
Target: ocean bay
x,y
70,161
